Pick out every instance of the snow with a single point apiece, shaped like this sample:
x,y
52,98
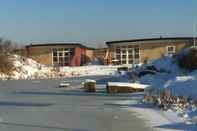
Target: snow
x,y
184,78
89,80
64,84
179,83
153,117
3,76
163,120
167,63
89,70
26,68
171,77
132,85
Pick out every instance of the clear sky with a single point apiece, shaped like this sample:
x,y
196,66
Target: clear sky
x,y
94,21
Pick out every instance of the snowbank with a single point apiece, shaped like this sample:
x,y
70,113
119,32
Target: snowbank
x,y
89,70
180,83
154,118
132,85
26,68
175,79
168,64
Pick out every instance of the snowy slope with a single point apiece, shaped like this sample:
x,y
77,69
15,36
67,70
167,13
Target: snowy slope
x,y
175,79
179,83
26,68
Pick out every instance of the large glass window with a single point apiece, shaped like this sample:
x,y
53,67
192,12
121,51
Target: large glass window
x,y
62,56
128,54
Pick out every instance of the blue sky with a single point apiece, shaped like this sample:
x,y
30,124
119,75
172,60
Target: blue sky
x,y
94,21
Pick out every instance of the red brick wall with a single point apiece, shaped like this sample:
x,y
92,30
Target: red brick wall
x,y
79,57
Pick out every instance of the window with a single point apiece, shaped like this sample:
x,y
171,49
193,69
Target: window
x,y
117,54
62,56
55,59
55,52
128,54
118,57
117,50
60,53
65,49
170,50
124,62
66,53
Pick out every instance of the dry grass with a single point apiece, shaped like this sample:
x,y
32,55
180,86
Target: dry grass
x,y
6,65
165,100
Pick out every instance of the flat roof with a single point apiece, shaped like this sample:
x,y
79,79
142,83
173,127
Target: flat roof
x,y
59,44
108,43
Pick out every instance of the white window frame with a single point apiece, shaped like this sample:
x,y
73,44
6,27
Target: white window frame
x,y
119,60
121,55
170,53
63,55
126,48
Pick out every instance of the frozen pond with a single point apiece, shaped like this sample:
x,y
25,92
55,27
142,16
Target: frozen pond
x,y
37,105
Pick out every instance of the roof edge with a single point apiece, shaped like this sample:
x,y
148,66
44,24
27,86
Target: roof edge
x,y
149,39
58,44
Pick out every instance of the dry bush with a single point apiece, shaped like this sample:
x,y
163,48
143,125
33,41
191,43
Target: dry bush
x,y
165,100
6,46
188,60
6,64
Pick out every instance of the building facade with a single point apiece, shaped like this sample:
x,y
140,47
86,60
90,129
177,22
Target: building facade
x,y
60,54
101,54
139,51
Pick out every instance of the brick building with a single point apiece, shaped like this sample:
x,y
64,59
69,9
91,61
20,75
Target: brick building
x,y
59,54
138,51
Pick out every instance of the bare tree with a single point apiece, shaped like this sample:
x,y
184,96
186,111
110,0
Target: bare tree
x,y
6,64
6,46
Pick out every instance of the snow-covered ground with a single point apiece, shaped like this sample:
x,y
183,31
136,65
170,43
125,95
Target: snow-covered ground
x,y
179,83
170,76
158,120
26,68
155,118
89,70
175,79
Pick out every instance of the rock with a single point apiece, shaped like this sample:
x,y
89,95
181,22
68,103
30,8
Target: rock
x,y
90,86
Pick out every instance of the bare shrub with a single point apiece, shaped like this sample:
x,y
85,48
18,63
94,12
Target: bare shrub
x,y
6,46
6,64
165,100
